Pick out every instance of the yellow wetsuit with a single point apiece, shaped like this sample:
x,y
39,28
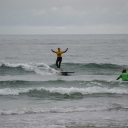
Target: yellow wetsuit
x,y
59,53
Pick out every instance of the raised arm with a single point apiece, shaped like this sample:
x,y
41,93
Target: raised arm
x,y
65,50
53,51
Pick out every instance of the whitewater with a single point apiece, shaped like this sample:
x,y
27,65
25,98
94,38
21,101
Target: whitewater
x,y
33,95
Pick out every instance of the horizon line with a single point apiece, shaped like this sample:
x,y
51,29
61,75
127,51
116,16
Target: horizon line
x,y
58,34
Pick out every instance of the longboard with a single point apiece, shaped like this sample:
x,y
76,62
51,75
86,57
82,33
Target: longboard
x,y
64,72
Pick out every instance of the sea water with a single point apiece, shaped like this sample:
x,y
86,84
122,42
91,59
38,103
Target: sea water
x,y
33,95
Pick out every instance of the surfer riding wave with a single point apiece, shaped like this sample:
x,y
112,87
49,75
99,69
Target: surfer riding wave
x,y
59,57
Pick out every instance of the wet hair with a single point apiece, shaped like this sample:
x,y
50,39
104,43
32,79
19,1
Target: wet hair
x,y
124,71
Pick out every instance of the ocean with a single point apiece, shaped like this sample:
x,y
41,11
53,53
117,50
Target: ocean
x,y
33,95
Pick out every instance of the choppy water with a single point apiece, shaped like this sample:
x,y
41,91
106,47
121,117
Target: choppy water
x,y
33,95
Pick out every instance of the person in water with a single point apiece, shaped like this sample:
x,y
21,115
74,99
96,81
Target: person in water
x,y
59,57
123,75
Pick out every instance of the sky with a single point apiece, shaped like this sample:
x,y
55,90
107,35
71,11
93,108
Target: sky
x,y
63,17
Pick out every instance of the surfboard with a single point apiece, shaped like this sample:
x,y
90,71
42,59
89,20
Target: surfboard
x,y
65,72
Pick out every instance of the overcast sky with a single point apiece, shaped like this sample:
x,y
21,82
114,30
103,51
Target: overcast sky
x,y
63,16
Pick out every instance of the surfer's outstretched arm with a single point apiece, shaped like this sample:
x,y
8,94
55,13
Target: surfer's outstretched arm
x,y
118,78
65,50
53,51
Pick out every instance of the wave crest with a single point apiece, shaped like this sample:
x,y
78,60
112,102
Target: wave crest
x,y
57,91
43,69
21,68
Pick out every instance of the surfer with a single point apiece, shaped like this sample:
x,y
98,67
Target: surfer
x,y
123,75
59,57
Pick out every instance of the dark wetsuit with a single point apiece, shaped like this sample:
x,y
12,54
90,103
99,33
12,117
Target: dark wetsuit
x,y
58,61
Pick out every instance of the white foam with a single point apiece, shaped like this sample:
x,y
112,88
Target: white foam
x,y
10,91
20,111
39,68
88,90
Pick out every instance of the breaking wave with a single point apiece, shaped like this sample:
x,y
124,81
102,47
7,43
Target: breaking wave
x,y
24,68
44,69
63,91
